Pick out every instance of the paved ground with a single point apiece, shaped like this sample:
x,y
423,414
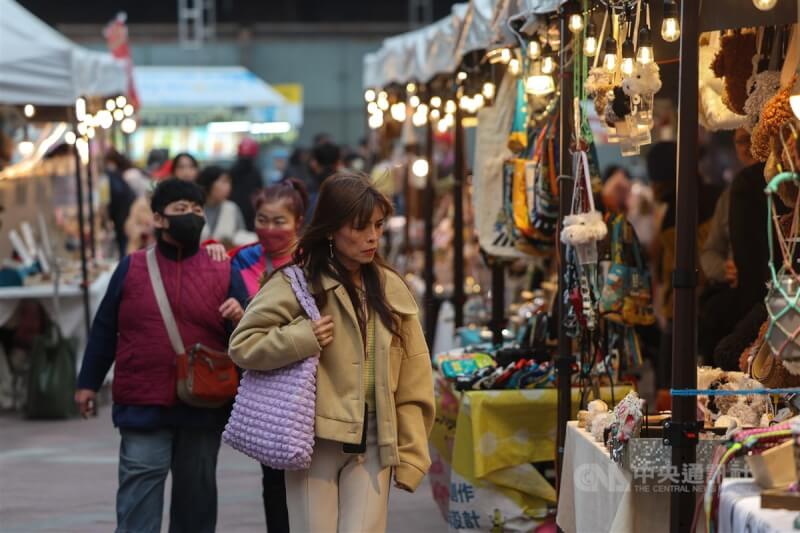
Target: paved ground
x,y
62,477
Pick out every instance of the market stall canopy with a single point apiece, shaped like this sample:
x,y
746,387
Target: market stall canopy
x,y
197,94
42,67
438,48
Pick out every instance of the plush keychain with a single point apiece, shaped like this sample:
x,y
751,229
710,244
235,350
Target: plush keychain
x,y
776,112
733,64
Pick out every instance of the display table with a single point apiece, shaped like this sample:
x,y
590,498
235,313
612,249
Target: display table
x,y
597,495
483,445
70,316
740,510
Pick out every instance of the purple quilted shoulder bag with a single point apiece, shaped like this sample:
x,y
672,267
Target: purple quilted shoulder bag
x,y
272,419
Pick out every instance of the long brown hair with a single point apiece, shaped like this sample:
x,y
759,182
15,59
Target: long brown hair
x,y
345,198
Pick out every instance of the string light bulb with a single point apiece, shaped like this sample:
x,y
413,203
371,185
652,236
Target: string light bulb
x,y
121,101
128,110
548,60
411,88
414,101
572,10
420,168
478,101
375,121
70,138
534,48
450,107
462,76
670,27
513,67
610,58
29,110
372,108
644,54
489,90
590,43
119,115
398,112
128,126
370,95
80,109
436,102
435,114
111,104
764,5
627,57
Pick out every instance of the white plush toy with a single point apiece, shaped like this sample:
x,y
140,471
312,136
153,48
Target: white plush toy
x,y
583,228
714,115
645,79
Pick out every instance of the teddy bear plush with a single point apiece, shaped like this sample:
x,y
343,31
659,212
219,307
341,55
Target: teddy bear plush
x,y
733,64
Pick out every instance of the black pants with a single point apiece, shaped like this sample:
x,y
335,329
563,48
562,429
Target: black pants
x,y
275,500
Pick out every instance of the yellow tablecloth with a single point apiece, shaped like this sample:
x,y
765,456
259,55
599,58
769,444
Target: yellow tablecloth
x,y
490,438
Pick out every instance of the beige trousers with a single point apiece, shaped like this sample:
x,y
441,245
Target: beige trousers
x,y
340,493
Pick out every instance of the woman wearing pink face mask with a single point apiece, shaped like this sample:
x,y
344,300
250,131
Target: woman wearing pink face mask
x,y
279,216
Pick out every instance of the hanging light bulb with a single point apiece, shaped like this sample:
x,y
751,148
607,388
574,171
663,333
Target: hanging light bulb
x,y
419,119
25,148
376,121
70,138
128,126
610,59
534,48
435,114
83,150
29,111
554,36
436,102
548,60
121,101
670,27
90,132
489,90
82,129
414,101
450,106
478,101
119,114
80,109
111,104
422,110
383,103
465,103
411,87
644,54
420,168
499,55
461,76
590,43
442,126
572,10
538,83
765,5
513,67
128,110
627,57
372,108
398,112
369,95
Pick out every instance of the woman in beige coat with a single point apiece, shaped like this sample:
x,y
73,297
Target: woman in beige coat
x,y
375,405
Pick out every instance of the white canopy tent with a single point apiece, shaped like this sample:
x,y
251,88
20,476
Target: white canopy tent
x,y
40,66
438,48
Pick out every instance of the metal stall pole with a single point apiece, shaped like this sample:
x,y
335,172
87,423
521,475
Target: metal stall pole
x,y
565,356
81,230
498,299
460,176
682,432
430,195
90,191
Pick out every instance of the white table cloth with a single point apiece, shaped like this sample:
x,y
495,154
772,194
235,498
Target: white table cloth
x,y
740,510
70,317
597,496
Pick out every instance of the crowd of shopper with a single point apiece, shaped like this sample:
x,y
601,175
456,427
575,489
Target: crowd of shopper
x,y
202,257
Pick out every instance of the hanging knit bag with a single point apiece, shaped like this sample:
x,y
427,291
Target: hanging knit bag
x,y
272,419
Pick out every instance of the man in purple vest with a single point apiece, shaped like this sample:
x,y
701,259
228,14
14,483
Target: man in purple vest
x,y
159,433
